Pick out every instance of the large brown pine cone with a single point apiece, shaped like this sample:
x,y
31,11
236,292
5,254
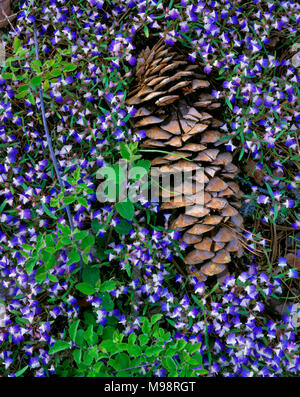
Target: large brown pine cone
x,y
172,101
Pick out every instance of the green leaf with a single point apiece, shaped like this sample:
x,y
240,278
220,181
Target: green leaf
x,y
125,151
8,76
108,346
146,328
60,244
73,329
107,286
31,99
154,350
143,339
79,339
49,239
77,355
81,235
69,199
168,363
161,332
90,336
198,357
77,174
66,231
121,361
88,358
94,352
191,361
107,302
36,81
37,62
122,346
89,318
201,371
194,348
144,164
186,372
30,265
41,277
36,68
172,322
270,190
52,278
171,351
21,94
108,331
96,226
132,338
17,44
123,227
87,243
156,318
228,103
146,31
125,209
54,73
27,247
82,201
46,84
22,88
135,157
21,372
134,350
74,257
85,288
48,212
70,67
66,240
50,262
242,153
59,346
90,275
181,344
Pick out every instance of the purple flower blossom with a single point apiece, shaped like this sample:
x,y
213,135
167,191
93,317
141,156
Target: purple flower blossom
x,y
282,262
293,273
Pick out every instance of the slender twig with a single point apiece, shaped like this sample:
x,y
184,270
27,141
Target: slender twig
x,y
136,272
52,154
8,18
49,141
274,243
110,232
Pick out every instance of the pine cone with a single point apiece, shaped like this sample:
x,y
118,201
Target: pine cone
x,y
172,101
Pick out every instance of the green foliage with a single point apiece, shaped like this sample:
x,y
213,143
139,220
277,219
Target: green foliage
x,y
84,347
42,256
81,191
125,209
59,346
103,351
79,243
114,188
39,74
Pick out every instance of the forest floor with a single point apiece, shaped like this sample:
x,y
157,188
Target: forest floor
x,y
98,289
